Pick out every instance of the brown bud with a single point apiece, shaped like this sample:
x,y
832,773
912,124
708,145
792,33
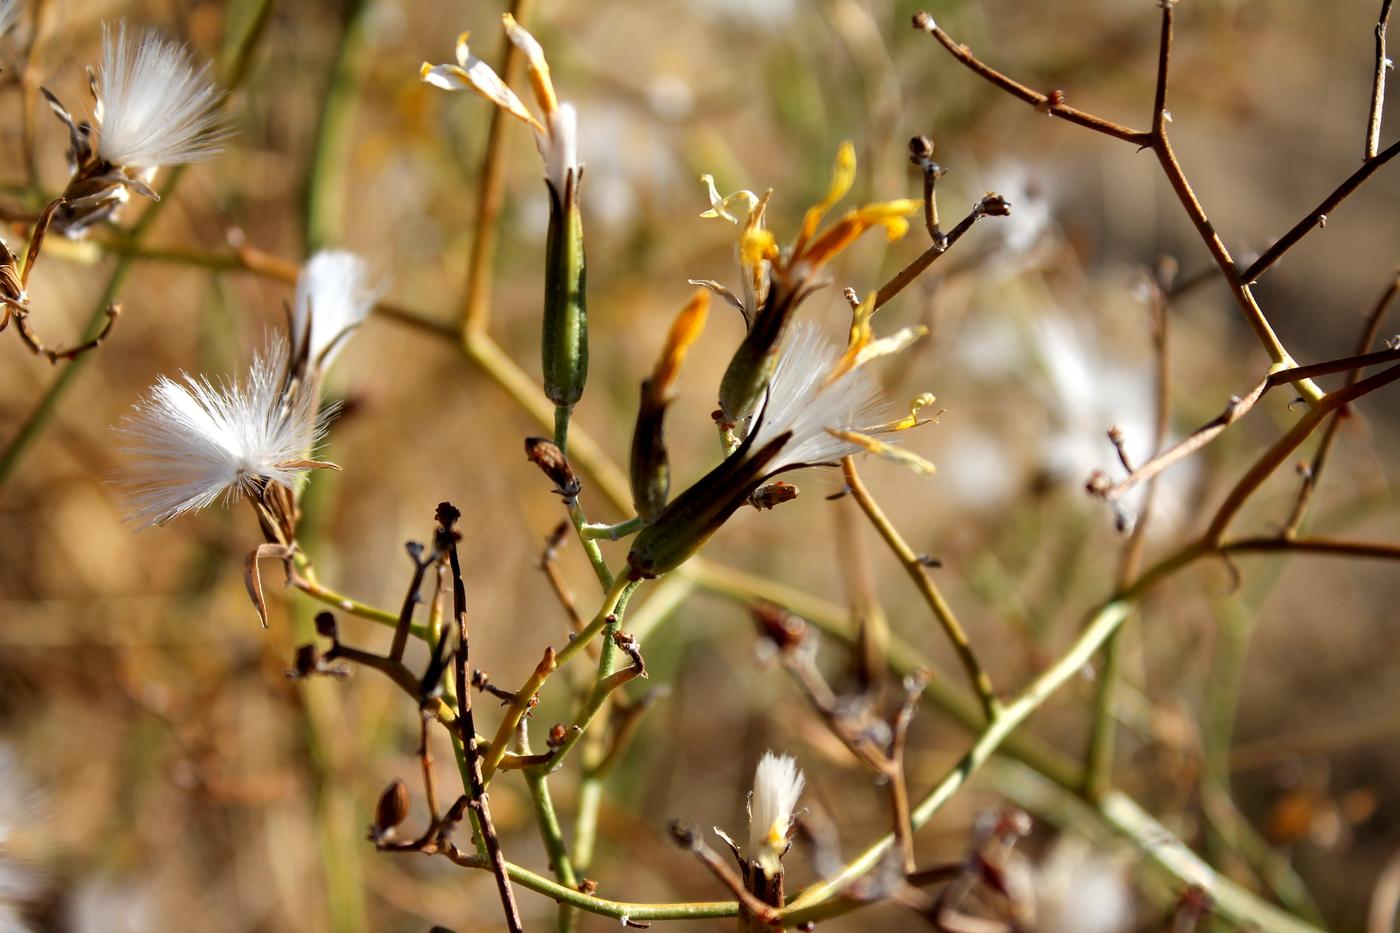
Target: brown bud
x,y
920,148
557,735
994,205
326,626
546,455
306,661
782,628
923,21
684,834
392,809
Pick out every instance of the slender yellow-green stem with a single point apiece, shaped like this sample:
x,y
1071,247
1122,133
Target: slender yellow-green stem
x,y
331,151
913,566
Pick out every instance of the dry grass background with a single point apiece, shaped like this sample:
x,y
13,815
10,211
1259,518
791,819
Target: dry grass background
x,y
184,782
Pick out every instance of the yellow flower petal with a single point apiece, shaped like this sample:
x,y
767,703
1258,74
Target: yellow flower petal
x,y
912,420
890,452
536,66
843,175
474,74
684,331
885,346
744,199
887,214
756,246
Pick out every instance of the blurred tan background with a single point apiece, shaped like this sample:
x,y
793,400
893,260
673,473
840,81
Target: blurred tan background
x,y
163,773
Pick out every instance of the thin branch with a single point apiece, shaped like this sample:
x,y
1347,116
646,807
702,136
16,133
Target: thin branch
x,y
1290,442
476,305
1318,216
524,700
1052,104
1237,408
1383,64
447,517
1313,474
991,205
919,574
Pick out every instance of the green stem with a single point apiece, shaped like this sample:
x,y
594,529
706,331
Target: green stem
x,y
553,836
594,531
330,155
590,545
1103,624
607,666
1098,775
306,581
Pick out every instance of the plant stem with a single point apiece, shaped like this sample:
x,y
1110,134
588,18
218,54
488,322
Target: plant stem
x,y
913,566
324,216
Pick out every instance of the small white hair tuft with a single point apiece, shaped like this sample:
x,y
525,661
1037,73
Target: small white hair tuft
x,y
334,296
777,784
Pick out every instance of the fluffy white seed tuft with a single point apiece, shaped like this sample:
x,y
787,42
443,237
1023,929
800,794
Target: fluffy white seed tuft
x,y
334,296
803,400
194,442
154,107
777,783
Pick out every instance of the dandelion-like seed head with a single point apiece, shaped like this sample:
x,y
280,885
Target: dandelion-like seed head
x,y
334,296
154,107
194,442
777,784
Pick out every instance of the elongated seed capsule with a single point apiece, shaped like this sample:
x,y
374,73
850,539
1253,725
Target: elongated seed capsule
x,y
741,388
564,339
650,466
696,514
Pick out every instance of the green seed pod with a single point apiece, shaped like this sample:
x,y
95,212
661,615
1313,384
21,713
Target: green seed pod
x,y
687,523
564,340
650,467
651,470
752,365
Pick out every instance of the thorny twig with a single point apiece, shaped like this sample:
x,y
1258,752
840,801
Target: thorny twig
x,y
1313,472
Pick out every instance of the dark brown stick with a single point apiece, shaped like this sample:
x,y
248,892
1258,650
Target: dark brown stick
x,y
447,518
1329,436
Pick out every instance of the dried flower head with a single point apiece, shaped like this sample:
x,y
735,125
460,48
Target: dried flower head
x,y
152,108
194,442
334,296
777,783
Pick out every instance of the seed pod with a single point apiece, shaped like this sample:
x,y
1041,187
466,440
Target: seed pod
x,y
650,466
689,521
564,339
392,809
749,370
